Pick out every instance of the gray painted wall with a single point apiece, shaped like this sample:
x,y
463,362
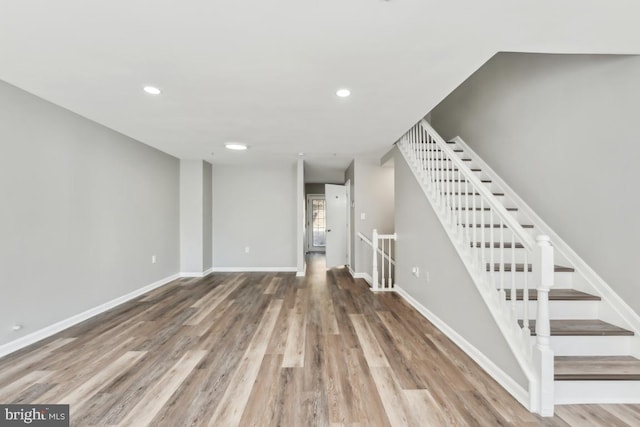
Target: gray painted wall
x,y
191,216
562,131
255,206
83,209
374,196
450,293
207,216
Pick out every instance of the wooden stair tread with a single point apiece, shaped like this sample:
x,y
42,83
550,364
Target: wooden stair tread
x,y
520,268
456,170
506,245
555,295
581,327
494,225
486,181
474,194
486,209
597,368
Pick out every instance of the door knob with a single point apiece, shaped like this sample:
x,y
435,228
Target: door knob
x,y
329,231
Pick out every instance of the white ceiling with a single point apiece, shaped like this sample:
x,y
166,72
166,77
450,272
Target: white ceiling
x,y
265,72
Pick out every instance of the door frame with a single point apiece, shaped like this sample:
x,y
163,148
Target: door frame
x,y
349,207
309,220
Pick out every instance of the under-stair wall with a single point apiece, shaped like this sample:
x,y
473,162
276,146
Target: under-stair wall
x,y
443,289
562,131
371,207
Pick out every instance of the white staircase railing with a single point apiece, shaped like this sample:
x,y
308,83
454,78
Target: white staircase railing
x,y
499,253
383,271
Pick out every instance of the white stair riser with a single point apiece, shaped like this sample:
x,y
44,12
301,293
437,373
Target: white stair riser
x,y
446,163
464,201
517,255
447,174
497,233
561,280
463,219
561,309
584,392
590,345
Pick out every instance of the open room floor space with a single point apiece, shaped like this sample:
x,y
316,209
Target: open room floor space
x,y
270,349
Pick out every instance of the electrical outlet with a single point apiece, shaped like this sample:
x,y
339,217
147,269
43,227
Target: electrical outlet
x,y
247,249
415,271
153,259
363,216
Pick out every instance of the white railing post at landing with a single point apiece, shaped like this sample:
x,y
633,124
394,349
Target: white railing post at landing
x,y
374,274
543,354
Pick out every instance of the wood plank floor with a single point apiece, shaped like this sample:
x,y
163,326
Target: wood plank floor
x,y
258,349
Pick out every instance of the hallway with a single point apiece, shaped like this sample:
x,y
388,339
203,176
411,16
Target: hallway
x,y
270,349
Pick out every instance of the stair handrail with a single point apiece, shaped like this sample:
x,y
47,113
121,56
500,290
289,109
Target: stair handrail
x,y
387,281
381,236
527,240
537,361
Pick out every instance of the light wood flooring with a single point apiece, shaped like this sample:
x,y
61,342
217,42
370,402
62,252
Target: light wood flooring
x,y
270,349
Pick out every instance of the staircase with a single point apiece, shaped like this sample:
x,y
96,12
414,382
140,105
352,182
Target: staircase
x,y
574,338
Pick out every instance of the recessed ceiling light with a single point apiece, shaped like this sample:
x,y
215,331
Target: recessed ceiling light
x,y
152,90
235,146
343,93
301,154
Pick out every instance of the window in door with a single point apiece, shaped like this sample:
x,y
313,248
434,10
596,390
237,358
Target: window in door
x,y
319,222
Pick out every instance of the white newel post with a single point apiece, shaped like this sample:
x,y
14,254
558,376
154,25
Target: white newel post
x,y
374,274
543,354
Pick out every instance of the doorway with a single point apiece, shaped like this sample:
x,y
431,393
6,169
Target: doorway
x,y
316,223
337,214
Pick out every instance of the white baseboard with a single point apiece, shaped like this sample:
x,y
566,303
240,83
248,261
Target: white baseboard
x,y
254,269
47,331
508,383
196,274
303,272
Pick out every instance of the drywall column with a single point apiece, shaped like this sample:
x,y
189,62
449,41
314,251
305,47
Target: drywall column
x,y
300,213
195,217
207,216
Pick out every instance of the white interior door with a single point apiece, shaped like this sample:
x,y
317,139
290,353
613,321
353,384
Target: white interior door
x,y
337,211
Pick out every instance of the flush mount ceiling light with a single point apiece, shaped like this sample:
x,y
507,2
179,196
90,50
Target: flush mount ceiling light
x,y
343,93
235,146
152,90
